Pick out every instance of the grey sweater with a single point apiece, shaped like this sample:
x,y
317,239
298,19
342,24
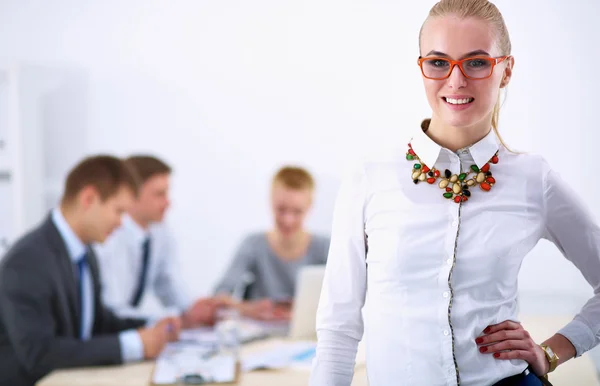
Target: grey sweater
x,y
273,277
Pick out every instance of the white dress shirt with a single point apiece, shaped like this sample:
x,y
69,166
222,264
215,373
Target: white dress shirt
x,y
120,259
132,348
433,274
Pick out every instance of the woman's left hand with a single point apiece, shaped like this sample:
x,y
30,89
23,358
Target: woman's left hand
x,y
509,340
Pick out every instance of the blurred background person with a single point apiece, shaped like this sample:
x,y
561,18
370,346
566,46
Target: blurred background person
x,y
268,262
140,270
51,312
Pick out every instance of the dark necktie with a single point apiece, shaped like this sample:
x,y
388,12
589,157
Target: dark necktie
x,y
84,310
139,291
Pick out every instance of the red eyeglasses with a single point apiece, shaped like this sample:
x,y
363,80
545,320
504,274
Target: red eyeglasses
x,y
479,67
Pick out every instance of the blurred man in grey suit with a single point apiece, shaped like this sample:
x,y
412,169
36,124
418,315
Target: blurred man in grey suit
x,y
51,312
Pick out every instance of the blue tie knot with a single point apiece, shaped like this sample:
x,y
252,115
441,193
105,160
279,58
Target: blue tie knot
x,y
82,263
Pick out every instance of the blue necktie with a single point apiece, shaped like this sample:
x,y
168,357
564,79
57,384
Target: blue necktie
x,y
139,291
85,298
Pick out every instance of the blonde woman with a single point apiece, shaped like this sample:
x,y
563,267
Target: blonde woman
x,y
274,258
437,230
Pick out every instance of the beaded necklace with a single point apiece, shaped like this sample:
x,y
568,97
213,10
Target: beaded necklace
x,y
456,186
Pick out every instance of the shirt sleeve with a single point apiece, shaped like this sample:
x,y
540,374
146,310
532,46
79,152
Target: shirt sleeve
x,y
571,227
324,251
339,317
132,348
240,265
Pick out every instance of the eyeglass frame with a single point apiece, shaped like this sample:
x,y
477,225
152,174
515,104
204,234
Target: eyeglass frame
x,y
459,63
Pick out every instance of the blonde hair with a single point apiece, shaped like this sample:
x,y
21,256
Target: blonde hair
x,y
483,10
294,177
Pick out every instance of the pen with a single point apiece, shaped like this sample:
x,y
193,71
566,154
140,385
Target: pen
x,y
239,289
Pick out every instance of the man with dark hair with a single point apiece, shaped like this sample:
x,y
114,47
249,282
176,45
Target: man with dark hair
x,y
141,273
51,312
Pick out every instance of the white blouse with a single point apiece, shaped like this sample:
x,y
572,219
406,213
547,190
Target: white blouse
x,y
433,274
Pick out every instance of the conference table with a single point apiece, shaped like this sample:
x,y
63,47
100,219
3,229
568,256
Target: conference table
x,y
140,374
580,372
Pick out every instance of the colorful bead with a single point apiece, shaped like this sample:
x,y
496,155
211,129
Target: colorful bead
x,y
456,185
457,188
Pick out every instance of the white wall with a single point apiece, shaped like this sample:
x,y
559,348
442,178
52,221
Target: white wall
x,y
227,91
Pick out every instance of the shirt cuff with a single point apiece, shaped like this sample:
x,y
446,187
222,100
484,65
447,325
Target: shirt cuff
x,y
580,336
151,321
132,348
185,303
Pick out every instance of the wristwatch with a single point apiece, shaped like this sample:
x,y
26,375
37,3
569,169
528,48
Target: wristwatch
x,y
551,356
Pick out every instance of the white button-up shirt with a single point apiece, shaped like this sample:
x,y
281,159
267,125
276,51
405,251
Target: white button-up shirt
x,y
120,259
433,274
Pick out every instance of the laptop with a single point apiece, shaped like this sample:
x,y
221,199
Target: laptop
x,y
306,302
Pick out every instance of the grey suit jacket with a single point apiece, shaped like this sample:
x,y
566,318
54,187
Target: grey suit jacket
x,y
40,315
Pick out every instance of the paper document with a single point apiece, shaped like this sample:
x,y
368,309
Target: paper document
x,y
248,331
184,359
293,354
297,355
202,335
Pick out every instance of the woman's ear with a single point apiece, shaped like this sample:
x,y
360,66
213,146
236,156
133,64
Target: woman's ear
x,y
510,62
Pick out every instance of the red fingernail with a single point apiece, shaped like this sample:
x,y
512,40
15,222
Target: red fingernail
x,y
497,355
486,330
479,340
483,349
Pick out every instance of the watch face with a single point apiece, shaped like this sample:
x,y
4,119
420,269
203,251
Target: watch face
x,y
549,351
